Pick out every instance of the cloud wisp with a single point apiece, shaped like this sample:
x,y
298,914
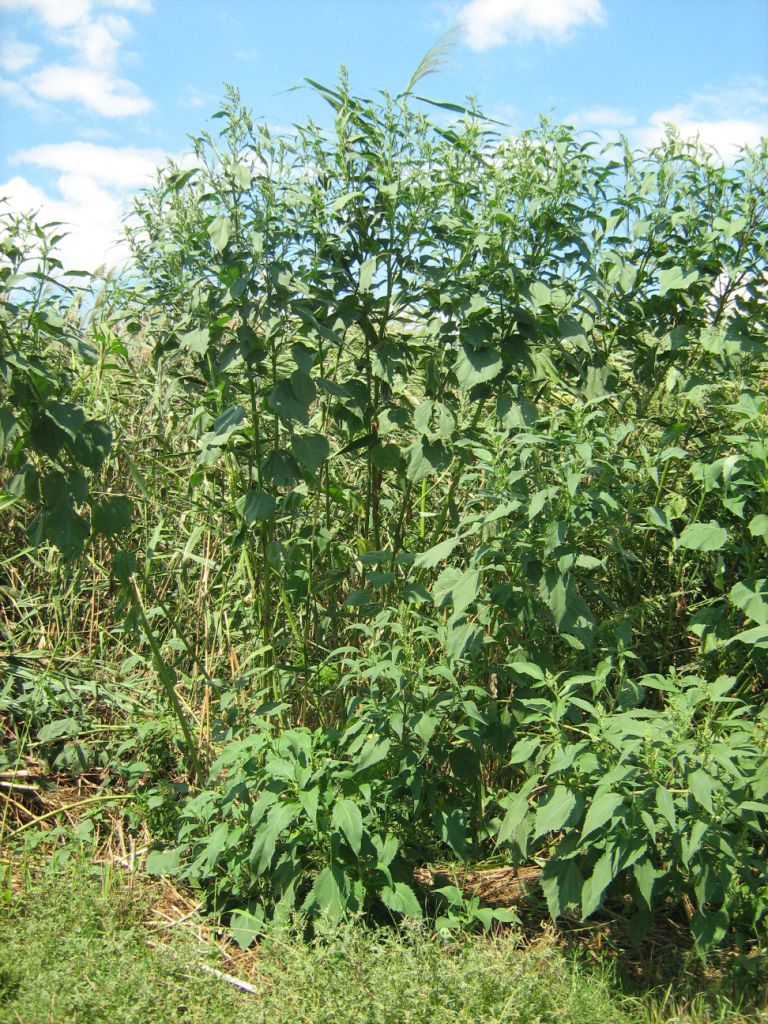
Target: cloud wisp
x,y
90,193
92,35
490,23
726,119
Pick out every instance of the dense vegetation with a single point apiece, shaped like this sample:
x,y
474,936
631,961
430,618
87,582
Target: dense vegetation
x,y
408,498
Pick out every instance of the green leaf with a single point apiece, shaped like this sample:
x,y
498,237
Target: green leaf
x,y
666,806
645,876
401,899
163,862
556,811
425,458
246,926
700,784
758,526
703,537
278,819
256,506
594,887
63,727
111,516
562,884
433,556
601,810
367,270
709,928
347,818
310,450
675,279
517,808
330,891
465,590
476,366
220,231
196,340
374,751
757,636
282,399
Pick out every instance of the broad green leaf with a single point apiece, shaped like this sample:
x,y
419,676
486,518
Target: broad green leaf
x,y
476,366
562,884
556,811
196,340
401,899
374,751
758,526
310,450
426,458
330,891
220,231
433,556
246,926
279,818
752,601
601,810
700,785
703,537
163,862
645,876
111,515
465,590
666,805
757,636
60,729
256,506
347,818
367,270
594,887
283,400
675,279
517,808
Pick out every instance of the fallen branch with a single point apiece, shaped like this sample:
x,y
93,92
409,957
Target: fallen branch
x,y
230,979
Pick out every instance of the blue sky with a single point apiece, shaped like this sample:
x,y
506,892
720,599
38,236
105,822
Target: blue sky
x,y
95,93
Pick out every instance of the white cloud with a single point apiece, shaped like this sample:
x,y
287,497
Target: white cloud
x,y
95,38
90,193
489,23
726,119
15,55
121,167
91,215
97,90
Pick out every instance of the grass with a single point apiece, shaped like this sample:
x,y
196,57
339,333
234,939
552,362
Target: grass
x,y
79,947
73,949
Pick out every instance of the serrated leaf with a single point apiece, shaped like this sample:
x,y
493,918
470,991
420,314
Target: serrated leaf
x,y
700,784
594,887
196,340
256,506
347,818
310,450
330,891
374,750
601,810
675,279
703,537
401,899
562,884
112,515
433,556
475,366
555,811
666,805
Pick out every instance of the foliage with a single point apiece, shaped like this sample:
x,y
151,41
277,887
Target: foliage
x,y
450,490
